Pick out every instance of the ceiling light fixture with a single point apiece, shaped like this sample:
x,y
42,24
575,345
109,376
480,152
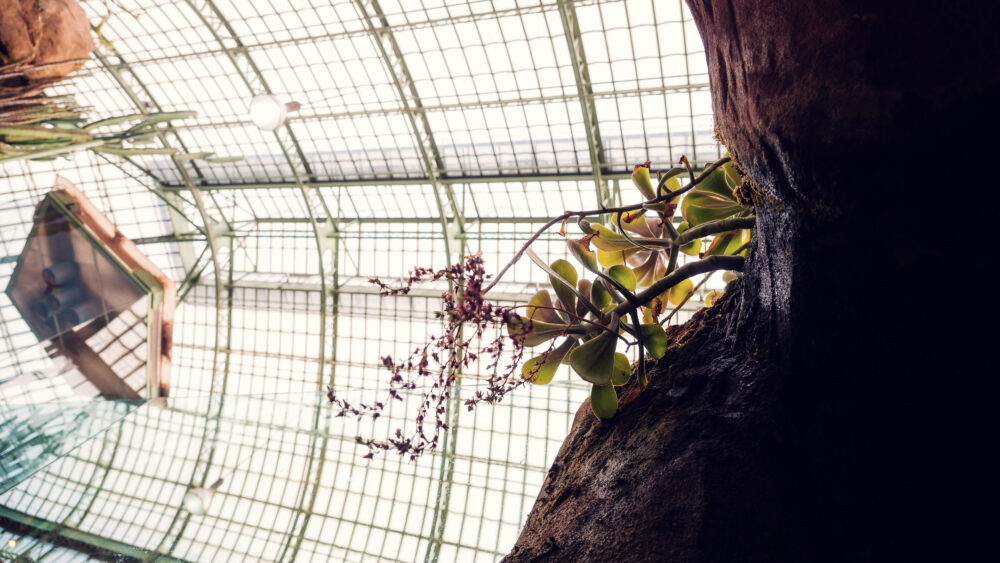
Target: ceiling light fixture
x,y
268,113
198,499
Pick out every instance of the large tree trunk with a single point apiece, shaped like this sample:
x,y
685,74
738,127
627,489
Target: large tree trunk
x,y
829,407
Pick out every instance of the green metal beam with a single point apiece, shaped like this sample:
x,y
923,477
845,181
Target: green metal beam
x,y
139,94
381,33
46,527
215,228
479,104
392,55
475,15
450,180
326,248
585,91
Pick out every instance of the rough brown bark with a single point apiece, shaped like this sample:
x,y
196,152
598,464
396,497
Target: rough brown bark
x,y
45,32
829,408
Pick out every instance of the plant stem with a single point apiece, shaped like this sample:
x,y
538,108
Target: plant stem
x,y
675,251
687,164
552,273
621,230
701,177
643,380
715,227
680,274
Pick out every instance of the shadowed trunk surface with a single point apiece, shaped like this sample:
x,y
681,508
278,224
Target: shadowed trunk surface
x,y
834,405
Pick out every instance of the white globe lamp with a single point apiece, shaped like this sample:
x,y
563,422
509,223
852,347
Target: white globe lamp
x,y
268,113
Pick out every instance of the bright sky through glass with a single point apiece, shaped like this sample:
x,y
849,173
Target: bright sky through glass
x,y
506,136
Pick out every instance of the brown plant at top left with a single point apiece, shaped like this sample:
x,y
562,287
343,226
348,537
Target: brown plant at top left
x,y
42,32
41,41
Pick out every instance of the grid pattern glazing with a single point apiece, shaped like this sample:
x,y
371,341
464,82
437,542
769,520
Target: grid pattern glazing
x,y
509,148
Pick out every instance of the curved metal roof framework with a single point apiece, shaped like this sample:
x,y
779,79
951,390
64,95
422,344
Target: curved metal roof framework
x,y
428,129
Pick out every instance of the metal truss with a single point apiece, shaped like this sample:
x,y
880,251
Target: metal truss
x,y
212,246
325,232
381,33
216,227
480,104
571,28
48,529
137,92
67,527
447,181
408,26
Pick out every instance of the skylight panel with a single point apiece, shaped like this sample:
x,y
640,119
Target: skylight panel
x,y
207,84
152,29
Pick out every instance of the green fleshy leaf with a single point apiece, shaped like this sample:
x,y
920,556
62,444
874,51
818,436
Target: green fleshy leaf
x,y
554,274
573,344
657,306
654,339
594,359
583,255
31,146
640,177
223,159
623,275
711,297
692,248
678,293
647,315
673,183
725,243
609,240
672,179
700,208
622,371
658,207
27,134
604,401
538,332
193,155
162,116
584,287
143,138
638,224
713,198
541,369
567,272
615,257
599,296
113,121
540,308
650,271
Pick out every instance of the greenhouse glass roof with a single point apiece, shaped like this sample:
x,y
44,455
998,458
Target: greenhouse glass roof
x,y
427,130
